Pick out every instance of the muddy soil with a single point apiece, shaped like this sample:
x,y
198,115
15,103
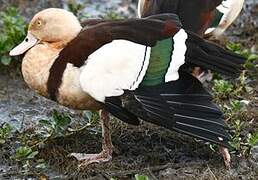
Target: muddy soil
x,y
149,150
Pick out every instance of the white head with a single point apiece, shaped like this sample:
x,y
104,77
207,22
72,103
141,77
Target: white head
x,y
51,26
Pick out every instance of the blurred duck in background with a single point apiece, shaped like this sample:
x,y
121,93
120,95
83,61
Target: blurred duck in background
x,y
204,17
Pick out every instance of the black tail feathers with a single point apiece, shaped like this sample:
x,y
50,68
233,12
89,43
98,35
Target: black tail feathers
x,y
211,56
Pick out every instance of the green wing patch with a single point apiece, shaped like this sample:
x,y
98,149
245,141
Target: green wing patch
x,y
159,62
217,18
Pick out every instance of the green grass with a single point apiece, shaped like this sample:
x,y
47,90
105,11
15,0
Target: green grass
x,y
28,143
141,177
54,127
222,88
12,32
234,97
24,153
5,133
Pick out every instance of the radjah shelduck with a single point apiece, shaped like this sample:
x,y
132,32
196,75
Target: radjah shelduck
x,y
120,67
209,17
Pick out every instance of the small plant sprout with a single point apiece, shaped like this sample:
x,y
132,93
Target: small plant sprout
x,y
5,132
24,153
141,177
253,139
56,126
222,88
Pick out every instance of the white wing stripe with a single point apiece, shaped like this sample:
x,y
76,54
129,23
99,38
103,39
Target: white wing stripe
x,y
143,70
178,55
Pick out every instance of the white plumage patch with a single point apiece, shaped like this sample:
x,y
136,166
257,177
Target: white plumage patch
x,y
178,56
108,72
230,9
224,7
140,7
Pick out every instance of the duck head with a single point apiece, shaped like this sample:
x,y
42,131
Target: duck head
x,y
53,26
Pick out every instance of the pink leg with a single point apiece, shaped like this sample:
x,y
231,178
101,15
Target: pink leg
x,y
107,147
226,156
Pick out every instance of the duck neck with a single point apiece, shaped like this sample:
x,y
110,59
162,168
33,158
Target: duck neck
x,y
36,64
35,69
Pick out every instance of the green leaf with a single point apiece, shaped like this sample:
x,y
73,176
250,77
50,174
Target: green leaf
x,y
254,139
5,132
6,60
234,47
12,32
222,87
61,120
22,152
236,105
253,57
141,177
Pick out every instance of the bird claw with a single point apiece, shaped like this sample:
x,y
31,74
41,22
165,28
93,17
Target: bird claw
x,y
87,159
226,156
205,76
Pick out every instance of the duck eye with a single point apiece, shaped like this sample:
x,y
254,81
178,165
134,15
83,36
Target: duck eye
x,y
38,23
26,40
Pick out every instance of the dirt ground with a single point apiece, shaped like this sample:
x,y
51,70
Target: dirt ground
x,y
148,150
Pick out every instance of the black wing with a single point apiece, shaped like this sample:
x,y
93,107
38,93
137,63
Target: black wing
x,y
183,105
208,55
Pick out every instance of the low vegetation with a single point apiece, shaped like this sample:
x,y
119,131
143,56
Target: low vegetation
x,y
12,32
236,99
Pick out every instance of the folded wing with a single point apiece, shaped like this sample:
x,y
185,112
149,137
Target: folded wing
x,y
99,32
183,105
